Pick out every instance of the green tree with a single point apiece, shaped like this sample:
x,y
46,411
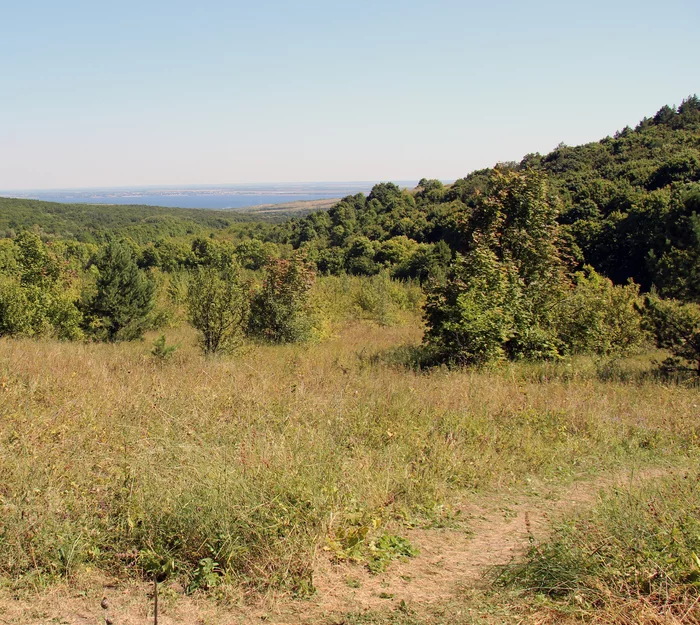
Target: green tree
x,y
499,298
15,317
253,253
39,297
280,311
676,270
38,267
218,307
124,295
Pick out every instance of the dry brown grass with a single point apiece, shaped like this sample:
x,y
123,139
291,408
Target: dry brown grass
x,y
110,460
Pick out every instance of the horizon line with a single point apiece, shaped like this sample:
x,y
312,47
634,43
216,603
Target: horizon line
x,y
214,185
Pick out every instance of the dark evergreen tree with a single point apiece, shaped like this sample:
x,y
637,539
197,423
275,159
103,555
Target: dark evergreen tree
x,y
124,295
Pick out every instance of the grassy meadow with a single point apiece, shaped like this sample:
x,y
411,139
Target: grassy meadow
x,y
237,470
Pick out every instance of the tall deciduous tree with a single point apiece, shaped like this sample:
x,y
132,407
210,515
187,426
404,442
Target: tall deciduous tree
x,y
499,297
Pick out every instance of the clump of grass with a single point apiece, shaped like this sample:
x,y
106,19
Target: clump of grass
x,y
638,545
161,351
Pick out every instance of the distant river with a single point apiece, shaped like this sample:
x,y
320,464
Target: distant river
x,y
216,197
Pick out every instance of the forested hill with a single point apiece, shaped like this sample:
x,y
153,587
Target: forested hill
x,y
630,205
96,222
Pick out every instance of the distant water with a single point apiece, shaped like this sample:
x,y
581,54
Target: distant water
x,y
189,201
214,197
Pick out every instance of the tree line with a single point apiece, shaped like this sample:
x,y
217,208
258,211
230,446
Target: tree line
x,y
48,290
589,249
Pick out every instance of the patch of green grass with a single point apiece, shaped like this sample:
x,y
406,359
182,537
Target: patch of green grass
x,y
640,542
386,548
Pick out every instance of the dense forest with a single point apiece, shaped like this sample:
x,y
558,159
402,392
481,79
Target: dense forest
x,y
628,204
508,257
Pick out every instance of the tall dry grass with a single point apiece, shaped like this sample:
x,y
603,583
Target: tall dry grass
x,y
111,459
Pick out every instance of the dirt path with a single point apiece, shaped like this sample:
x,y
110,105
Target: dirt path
x,y
499,529
496,529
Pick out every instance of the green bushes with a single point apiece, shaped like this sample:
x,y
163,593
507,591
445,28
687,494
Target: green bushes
x,y
470,319
499,297
13,308
676,327
511,295
100,293
37,297
481,315
600,318
224,308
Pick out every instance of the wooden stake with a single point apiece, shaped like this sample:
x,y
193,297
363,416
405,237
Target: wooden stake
x,y
155,601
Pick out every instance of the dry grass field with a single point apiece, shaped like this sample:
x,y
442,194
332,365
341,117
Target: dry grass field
x,y
281,483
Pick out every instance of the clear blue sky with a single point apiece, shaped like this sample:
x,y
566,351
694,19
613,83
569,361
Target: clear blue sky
x,y
170,92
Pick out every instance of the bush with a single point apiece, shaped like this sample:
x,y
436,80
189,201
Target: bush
x,y
38,297
218,306
14,307
161,350
280,311
468,318
676,327
598,317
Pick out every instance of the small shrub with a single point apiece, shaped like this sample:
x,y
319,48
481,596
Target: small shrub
x,y
676,327
387,548
280,311
161,351
353,541
218,308
206,576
